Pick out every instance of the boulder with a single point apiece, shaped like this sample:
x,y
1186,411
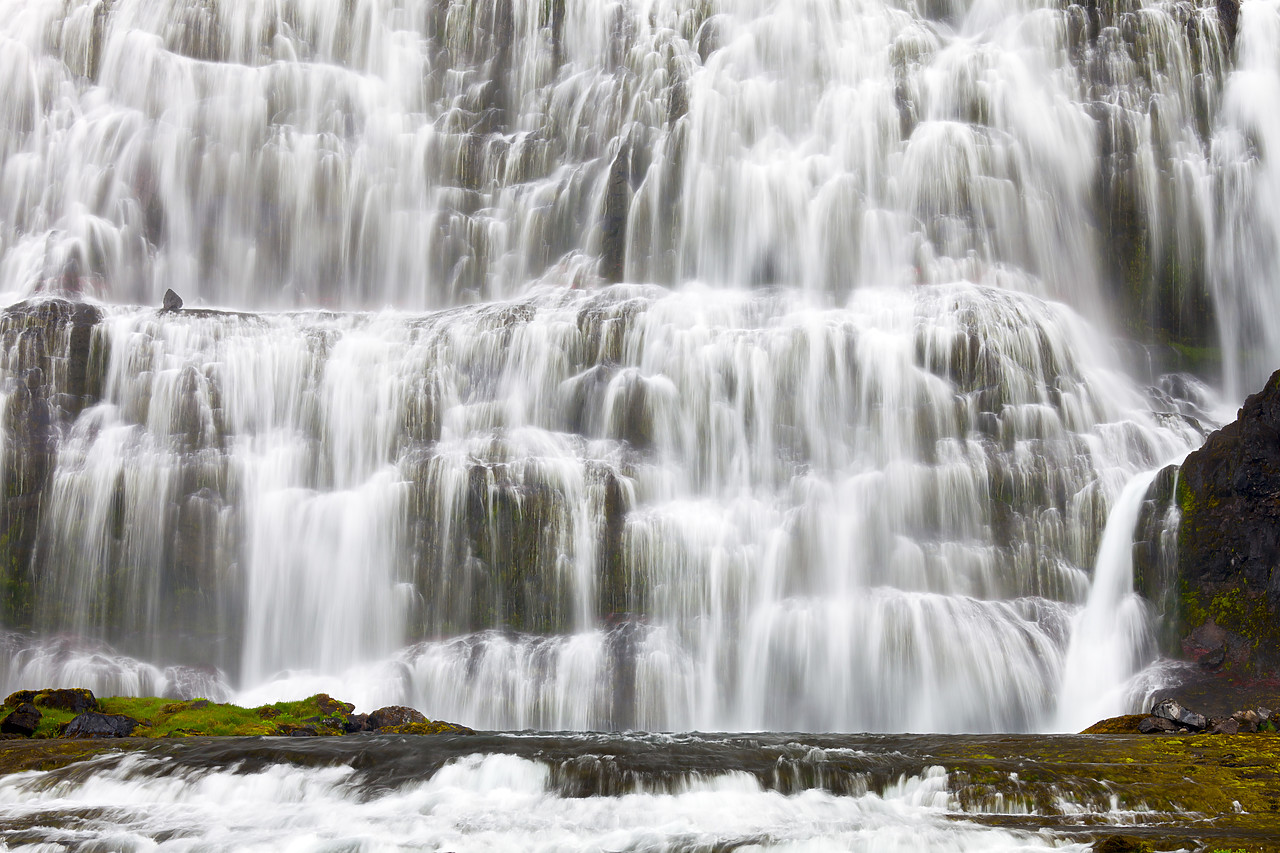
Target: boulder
x,y
1246,721
1225,727
333,707
357,723
77,700
395,715
172,302
1229,542
22,721
1156,725
1170,710
95,725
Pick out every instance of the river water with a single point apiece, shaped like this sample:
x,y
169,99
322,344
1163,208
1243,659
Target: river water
x,y
544,792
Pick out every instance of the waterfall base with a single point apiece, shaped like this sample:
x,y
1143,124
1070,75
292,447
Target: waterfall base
x,y
713,792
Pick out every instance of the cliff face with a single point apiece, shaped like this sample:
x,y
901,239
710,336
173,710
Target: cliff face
x,y
1229,542
47,345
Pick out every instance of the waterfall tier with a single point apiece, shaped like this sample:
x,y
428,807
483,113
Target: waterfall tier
x,y
619,507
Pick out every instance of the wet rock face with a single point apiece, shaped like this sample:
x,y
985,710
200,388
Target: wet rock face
x,y
1229,541
48,345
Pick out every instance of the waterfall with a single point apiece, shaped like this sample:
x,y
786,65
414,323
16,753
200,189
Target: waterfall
x,y
665,365
1246,256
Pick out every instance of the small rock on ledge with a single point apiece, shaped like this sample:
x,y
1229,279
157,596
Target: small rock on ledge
x,y
172,301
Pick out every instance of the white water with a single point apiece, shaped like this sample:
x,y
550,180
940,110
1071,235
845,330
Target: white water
x,y
1111,638
839,458
481,803
810,507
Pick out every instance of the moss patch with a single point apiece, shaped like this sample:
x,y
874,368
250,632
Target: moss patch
x,y
1125,725
163,718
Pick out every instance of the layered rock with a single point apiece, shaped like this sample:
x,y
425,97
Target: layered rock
x,y
48,347
1229,542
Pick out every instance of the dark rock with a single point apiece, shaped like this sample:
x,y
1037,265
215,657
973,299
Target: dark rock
x,y
23,721
77,700
1229,15
172,301
95,725
1120,844
1229,542
1156,725
50,345
19,697
1225,727
1170,710
395,715
357,723
613,218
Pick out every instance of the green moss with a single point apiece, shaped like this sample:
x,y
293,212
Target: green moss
x,y
166,718
1190,607
163,718
431,727
1127,724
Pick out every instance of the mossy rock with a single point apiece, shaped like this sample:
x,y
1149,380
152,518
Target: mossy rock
x,y
1229,541
319,715
430,727
1125,725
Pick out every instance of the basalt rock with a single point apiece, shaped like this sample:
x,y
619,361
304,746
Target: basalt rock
x,y
172,302
1229,15
48,344
24,720
1156,725
95,725
1229,542
1175,713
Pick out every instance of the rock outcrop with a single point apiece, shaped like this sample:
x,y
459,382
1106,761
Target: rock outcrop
x,y
1229,542
48,346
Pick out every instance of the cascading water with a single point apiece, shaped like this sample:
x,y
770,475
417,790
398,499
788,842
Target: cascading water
x,y
837,453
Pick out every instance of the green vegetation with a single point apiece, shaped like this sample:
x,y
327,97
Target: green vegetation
x,y
166,718
163,718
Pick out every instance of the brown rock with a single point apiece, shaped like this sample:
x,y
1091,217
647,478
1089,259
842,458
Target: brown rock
x,y
395,715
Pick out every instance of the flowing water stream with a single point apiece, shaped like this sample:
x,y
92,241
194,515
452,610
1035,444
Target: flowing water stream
x,y
670,365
